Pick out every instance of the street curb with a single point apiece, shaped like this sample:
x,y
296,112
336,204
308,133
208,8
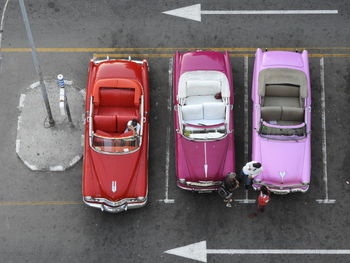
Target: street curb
x,y
52,168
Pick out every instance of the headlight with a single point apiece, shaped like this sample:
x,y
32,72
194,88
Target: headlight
x,y
183,181
89,198
141,199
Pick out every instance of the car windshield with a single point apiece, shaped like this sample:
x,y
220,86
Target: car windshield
x,y
121,145
277,132
207,133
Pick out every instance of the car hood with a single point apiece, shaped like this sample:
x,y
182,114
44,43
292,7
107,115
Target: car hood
x,y
114,176
282,161
202,60
202,161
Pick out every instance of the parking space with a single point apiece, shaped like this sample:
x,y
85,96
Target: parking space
x,y
43,218
337,108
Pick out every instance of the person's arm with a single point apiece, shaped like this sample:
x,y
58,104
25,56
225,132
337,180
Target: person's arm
x,y
256,172
237,184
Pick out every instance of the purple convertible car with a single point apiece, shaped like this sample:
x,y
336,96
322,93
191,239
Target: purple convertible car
x,y
282,120
203,99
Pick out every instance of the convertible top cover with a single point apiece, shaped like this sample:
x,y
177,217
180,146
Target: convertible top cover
x,y
283,76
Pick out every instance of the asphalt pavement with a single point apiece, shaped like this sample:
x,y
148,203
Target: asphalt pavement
x,y
42,214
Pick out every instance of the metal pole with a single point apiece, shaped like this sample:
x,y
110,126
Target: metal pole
x,y
36,62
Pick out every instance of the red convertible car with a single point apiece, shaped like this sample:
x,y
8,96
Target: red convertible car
x,y
116,155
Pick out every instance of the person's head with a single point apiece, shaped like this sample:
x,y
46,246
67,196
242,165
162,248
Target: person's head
x,y
231,175
264,190
231,180
257,165
132,124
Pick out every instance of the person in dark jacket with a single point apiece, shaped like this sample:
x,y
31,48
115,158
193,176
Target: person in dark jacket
x,y
227,188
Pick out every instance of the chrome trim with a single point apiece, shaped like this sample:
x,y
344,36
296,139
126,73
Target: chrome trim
x,y
196,189
116,153
286,189
92,134
120,206
284,139
199,189
206,140
91,109
203,183
96,62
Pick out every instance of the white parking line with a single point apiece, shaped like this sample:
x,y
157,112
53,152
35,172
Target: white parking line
x,y
19,121
166,200
75,160
34,85
21,101
2,28
31,166
56,168
324,136
18,144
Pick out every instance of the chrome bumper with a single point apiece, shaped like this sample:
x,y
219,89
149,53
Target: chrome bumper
x,y
107,58
197,188
282,190
116,209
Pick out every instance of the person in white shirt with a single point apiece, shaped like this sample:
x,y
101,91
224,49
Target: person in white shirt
x,y
249,172
133,126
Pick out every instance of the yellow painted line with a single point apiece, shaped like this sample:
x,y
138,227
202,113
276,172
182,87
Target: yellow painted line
x,y
134,55
154,55
315,55
165,49
40,203
168,55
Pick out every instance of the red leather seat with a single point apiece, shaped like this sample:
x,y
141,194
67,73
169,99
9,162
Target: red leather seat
x,y
114,107
123,120
105,123
117,97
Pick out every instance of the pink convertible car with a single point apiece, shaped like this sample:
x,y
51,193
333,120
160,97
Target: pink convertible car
x,y
203,99
282,120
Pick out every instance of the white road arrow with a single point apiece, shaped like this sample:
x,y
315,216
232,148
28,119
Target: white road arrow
x,y
194,12
198,251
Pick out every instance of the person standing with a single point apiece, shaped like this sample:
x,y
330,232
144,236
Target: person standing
x,y
227,187
249,172
263,200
